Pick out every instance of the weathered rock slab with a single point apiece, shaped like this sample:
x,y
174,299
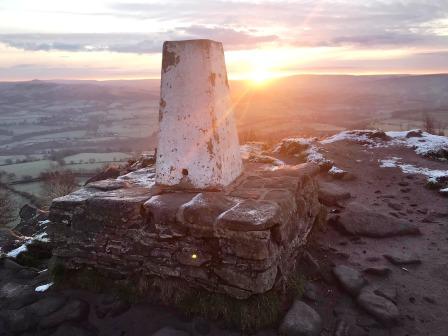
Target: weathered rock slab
x,y
67,329
350,279
169,331
74,310
301,320
250,215
356,219
378,306
402,258
330,194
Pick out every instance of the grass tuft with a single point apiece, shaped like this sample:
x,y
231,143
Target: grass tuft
x,y
257,312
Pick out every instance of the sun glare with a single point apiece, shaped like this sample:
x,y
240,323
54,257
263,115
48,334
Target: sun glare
x,y
260,76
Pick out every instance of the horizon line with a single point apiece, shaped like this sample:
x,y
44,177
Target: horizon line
x,y
230,77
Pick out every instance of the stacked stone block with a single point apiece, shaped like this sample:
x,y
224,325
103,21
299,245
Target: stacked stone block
x,y
239,241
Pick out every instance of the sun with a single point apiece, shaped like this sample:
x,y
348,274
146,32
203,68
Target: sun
x,y
260,76
260,71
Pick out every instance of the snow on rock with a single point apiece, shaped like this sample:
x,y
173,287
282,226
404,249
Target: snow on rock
x,y
43,288
252,147
423,143
266,159
293,146
444,191
435,176
306,149
14,253
43,222
144,177
371,138
313,155
338,173
336,170
389,163
42,237
256,152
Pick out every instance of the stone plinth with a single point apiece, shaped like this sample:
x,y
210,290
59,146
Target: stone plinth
x,y
240,241
198,143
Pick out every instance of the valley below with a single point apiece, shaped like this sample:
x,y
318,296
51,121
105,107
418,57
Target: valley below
x,y
83,126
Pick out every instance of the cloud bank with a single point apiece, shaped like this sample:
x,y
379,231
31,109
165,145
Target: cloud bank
x,y
248,24
132,27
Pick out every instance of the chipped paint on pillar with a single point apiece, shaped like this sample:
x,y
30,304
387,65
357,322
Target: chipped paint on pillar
x,y
198,142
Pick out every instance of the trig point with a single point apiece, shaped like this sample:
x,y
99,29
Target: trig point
x,y
204,228
198,143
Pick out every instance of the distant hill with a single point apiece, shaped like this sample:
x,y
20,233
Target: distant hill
x,y
303,103
312,104
57,91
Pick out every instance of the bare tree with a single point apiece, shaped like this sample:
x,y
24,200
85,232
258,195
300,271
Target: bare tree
x,y
57,184
7,208
441,128
429,123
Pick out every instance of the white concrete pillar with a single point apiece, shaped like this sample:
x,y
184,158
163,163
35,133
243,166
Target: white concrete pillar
x,y
198,142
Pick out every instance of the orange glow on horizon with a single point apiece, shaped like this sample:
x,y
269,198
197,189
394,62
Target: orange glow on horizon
x,y
257,66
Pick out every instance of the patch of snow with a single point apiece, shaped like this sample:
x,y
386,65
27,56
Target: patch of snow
x,y
424,143
251,148
313,155
346,135
389,163
286,142
14,253
432,174
43,288
427,144
255,152
144,177
265,159
336,170
444,190
43,237
310,149
44,222
245,151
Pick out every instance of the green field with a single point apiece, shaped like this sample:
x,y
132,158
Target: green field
x,y
32,169
98,157
13,158
88,163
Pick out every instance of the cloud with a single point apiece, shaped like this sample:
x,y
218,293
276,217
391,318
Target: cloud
x,y
306,22
29,71
136,43
248,24
418,26
229,36
418,62
132,42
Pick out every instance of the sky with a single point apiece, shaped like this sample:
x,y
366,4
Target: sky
x,y
122,39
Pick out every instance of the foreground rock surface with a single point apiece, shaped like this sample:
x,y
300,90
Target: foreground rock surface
x,y
331,194
301,320
360,220
422,299
380,307
350,279
403,258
